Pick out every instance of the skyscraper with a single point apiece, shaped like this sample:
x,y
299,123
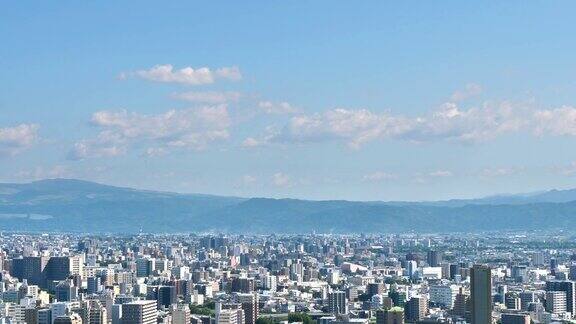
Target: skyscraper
x,y
481,294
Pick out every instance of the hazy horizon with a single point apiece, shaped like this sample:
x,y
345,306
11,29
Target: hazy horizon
x,y
500,194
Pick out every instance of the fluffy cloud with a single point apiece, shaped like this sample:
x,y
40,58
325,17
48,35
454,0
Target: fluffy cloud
x,y
357,127
189,128
559,121
188,75
277,107
208,97
470,125
353,126
14,140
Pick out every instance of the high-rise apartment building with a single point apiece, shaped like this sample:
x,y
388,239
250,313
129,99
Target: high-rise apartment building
x,y
250,307
569,288
416,308
556,302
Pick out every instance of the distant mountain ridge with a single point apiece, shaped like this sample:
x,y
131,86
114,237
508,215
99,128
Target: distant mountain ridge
x,y
83,206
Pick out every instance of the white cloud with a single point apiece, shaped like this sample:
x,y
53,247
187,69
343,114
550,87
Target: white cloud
x,y
251,142
378,176
188,75
559,121
281,180
189,128
469,91
95,148
14,140
208,97
357,127
229,73
477,124
277,107
440,174
499,172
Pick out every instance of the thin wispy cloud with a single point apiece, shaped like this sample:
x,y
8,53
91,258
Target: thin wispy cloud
x,y
379,176
208,97
469,91
440,174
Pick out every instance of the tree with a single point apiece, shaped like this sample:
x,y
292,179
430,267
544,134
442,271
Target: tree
x,y
300,317
265,320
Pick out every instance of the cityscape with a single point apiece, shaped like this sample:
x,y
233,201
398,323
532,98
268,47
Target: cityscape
x,y
498,277
287,162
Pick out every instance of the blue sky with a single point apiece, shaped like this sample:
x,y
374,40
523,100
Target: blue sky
x,y
363,100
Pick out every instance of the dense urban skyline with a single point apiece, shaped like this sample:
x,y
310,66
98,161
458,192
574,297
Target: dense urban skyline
x,y
505,278
309,99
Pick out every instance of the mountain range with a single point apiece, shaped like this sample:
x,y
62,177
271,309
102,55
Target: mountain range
x,y
81,206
